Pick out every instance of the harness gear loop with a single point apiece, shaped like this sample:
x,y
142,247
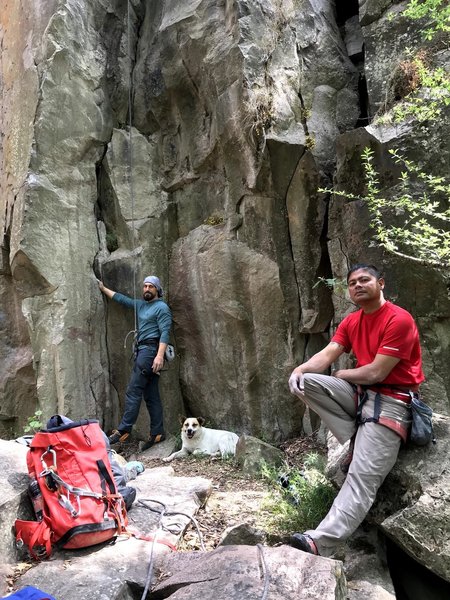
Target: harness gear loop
x,y
133,331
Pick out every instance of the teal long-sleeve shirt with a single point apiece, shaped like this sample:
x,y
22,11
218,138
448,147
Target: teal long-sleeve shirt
x,y
154,318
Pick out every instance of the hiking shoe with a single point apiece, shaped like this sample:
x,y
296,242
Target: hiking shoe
x,y
118,436
304,542
154,439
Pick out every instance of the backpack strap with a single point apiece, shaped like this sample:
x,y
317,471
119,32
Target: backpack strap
x,y
105,478
36,536
363,396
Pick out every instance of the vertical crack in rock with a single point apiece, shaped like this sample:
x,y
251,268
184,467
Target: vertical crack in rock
x,y
347,18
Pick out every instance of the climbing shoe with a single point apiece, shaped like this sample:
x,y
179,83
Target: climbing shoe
x,y
154,439
118,436
304,542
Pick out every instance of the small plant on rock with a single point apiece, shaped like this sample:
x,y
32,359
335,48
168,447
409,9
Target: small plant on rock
x,y
337,286
214,220
34,423
416,90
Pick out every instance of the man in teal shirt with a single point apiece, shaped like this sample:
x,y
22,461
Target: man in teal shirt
x,y
154,323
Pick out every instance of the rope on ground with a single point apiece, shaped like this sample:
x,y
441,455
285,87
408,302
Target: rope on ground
x,y
162,513
175,513
265,571
152,547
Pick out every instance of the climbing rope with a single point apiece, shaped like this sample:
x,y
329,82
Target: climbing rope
x,y
130,167
152,547
265,571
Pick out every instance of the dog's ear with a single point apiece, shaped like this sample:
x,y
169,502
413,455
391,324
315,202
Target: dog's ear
x,y
200,420
182,419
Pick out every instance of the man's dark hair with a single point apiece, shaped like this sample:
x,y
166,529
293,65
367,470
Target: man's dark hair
x,y
372,269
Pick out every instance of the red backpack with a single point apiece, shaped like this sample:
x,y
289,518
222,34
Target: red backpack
x,y
73,491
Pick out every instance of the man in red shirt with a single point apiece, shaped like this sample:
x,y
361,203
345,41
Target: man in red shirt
x,y
385,341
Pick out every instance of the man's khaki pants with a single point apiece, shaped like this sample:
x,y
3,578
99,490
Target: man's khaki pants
x,y
375,452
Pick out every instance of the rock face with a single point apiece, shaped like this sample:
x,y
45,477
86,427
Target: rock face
x,y
189,139
14,480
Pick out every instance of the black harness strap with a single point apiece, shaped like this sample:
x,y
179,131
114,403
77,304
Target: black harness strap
x,y
363,396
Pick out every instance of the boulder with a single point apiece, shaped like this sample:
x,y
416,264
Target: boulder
x,y
252,454
241,535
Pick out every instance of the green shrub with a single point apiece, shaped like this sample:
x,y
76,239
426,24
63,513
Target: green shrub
x,y
214,220
418,206
435,12
305,500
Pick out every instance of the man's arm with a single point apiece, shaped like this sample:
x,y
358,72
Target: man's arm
x,y
369,374
105,290
316,364
164,320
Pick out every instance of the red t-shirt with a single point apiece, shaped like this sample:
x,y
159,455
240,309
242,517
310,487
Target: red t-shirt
x,y
390,330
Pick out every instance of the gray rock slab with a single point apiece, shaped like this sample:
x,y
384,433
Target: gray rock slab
x,y
232,572
415,502
241,534
238,572
158,488
160,450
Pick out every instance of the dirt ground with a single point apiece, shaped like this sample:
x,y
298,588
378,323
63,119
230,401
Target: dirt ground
x,y
236,497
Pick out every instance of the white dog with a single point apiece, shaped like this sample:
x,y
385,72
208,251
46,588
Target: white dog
x,y
197,439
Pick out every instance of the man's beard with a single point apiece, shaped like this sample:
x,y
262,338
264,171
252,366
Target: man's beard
x,y
148,296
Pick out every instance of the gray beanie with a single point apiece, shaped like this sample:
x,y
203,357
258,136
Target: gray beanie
x,y
154,281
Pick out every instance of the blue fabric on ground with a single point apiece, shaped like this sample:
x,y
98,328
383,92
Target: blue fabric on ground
x,y
29,593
